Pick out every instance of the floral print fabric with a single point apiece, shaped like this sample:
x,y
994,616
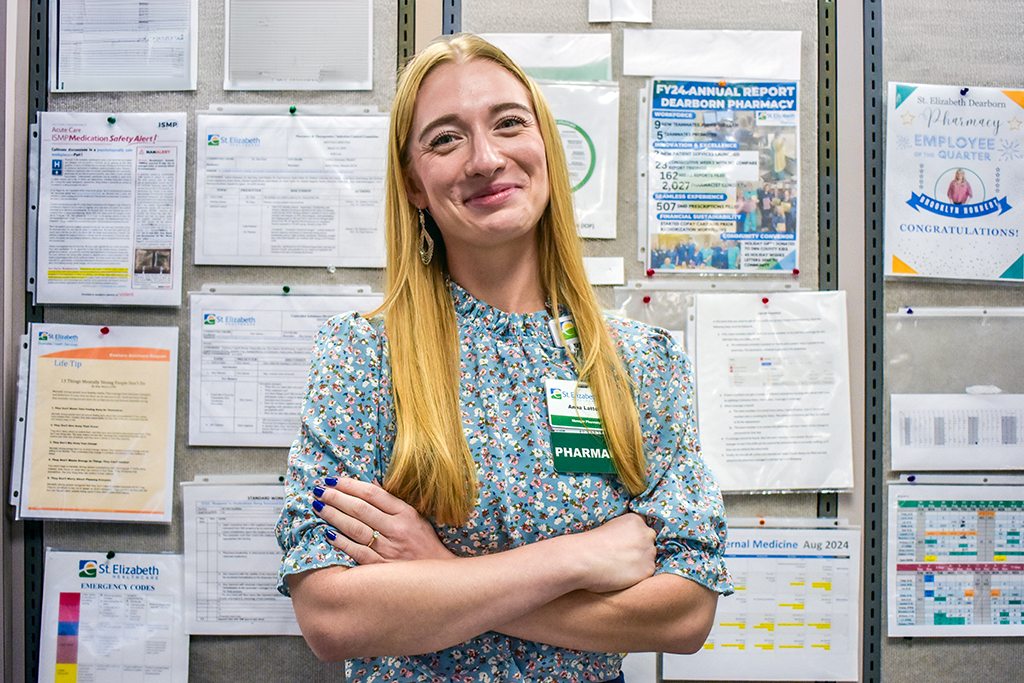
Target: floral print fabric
x,y
348,431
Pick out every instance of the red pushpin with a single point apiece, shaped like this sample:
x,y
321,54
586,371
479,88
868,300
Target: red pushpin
x,y
650,272
104,330
647,299
796,271
765,301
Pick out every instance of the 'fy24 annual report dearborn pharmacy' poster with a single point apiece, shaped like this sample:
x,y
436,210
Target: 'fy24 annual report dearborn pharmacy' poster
x,y
954,176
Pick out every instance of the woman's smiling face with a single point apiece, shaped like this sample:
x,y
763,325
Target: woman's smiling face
x,y
476,156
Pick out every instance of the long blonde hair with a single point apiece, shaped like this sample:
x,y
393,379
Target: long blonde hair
x,y
431,466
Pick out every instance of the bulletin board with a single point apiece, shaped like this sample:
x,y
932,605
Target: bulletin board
x,y
927,43
281,658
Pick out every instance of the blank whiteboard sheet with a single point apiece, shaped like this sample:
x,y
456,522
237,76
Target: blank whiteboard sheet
x,y
793,616
298,45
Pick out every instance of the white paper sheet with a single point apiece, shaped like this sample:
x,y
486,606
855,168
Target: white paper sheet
x,y
111,209
722,176
605,270
232,560
769,55
113,618
636,11
290,190
250,363
773,390
954,166
955,560
794,615
957,432
120,45
588,120
558,56
99,426
298,45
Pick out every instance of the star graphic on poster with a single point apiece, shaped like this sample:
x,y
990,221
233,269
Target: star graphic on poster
x,y
908,119
1015,123
902,142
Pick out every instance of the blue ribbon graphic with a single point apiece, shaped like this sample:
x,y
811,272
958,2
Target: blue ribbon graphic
x,y
920,201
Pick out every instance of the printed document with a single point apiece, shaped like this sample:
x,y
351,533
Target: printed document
x,y
110,617
232,559
955,560
99,423
111,209
290,190
250,364
298,45
794,615
773,390
120,45
957,431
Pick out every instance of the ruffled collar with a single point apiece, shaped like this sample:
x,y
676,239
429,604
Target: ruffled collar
x,y
488,318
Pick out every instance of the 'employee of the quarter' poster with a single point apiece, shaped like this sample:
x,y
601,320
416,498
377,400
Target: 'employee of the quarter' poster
x,y
954,177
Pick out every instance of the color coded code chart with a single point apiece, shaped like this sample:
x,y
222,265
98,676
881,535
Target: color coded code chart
x,y
67,638
793,615
112,619
956,567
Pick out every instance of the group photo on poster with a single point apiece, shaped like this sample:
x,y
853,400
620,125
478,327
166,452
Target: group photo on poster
x,y
722,176
954,162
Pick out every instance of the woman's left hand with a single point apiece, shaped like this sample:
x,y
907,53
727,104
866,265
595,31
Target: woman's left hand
x,y
375,526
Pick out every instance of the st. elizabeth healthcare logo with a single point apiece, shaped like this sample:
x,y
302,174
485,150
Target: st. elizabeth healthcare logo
x,y
556,393
213,140
43,336
209,318
87,569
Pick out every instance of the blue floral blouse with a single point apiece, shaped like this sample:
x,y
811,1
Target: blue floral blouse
x,y
348,430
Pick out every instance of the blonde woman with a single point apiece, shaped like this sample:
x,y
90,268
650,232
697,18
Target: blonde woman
x,y
429,532
959,189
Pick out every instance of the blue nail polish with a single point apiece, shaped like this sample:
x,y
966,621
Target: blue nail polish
x,y
330,534
317,491
331,481
317,505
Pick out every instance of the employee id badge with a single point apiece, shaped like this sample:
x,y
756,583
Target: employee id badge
x,y
563,331
577,440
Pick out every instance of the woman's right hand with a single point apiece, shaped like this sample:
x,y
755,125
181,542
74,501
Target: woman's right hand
x,y
616,555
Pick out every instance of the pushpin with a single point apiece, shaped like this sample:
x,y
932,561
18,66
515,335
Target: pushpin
x,y
647,299
761,522
912,478
110,554
910,311
291,109
111,120
721,83
104,330
650,272
765,301
796,271
286,289
963,91
331,268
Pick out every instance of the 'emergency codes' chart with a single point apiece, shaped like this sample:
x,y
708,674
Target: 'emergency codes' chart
x,y
793,616
956,565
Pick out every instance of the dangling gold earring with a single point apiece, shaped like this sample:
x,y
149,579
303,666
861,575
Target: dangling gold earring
x,y
426,242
